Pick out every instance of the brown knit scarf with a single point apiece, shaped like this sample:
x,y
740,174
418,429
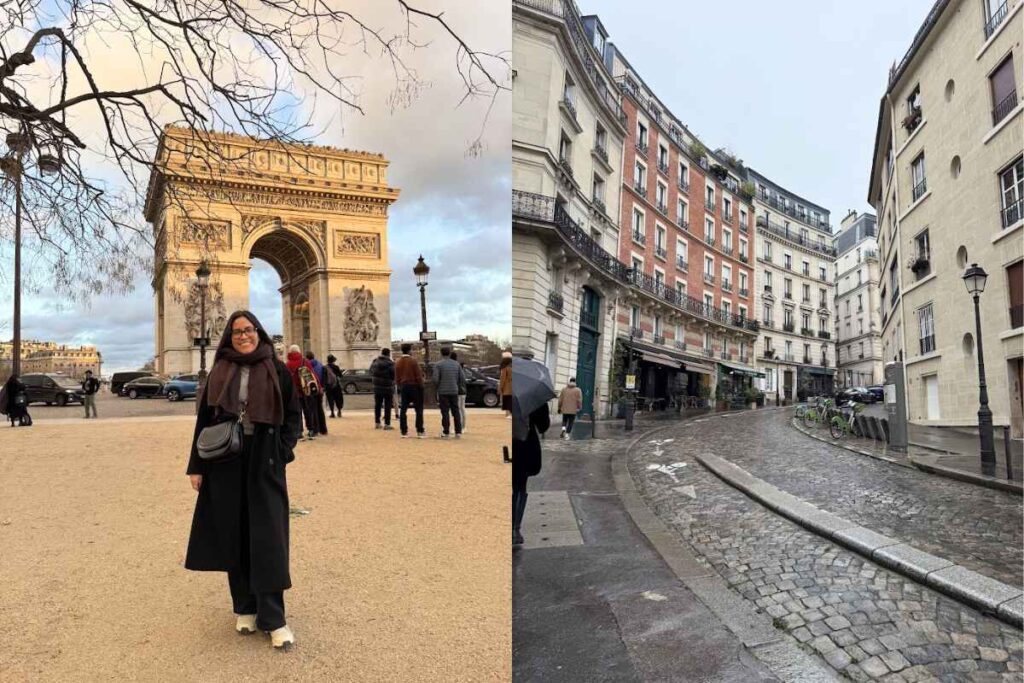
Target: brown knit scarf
x,y
265,404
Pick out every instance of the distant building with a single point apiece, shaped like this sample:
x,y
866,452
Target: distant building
x,y
858,310
47,356
473,349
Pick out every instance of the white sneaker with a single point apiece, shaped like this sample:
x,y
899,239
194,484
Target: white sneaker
x,y
282,638
245,624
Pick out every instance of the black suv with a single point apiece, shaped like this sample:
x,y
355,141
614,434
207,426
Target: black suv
x,y
481,389
50,388
119,379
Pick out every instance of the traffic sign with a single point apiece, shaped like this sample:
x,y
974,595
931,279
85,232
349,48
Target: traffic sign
x,y
428,336
201,341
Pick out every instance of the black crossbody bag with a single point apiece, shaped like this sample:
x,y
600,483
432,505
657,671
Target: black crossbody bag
x,y
223,441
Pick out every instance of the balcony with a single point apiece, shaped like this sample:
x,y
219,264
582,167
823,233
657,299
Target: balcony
x,y
725,355
743,226
566,166
807,360
601,153
927,344
806,272
788,327
997,18
788,296
912,120
787,265
919,189
767,289
726,286
795,237
640,189
744,292
542,211
570,109
727,217
823,278
806,331
680,345
661,252
681,263
1016,316
920,265
727,247
709,278
768,258
1012,213
642,147
768,323
662,208
788,357
659,339
710,239
824,335
681,222
768,353
599,205
744,258
683,185
710,353
790,210
639,237
663,166
636,333
555,302
709,207
806,301
743,359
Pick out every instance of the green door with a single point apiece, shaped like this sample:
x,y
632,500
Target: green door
x,y
586,356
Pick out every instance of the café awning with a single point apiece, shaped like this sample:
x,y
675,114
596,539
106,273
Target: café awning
x,y
738,368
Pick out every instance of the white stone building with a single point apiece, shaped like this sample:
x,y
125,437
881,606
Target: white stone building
x,y
947,180
858,316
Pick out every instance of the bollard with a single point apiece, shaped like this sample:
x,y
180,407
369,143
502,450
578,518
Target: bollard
x,y
885,429
504,454
1006,448
873,427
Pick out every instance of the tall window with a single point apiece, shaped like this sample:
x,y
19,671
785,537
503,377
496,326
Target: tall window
x,y
767,314
726,276
569,94
659,240
709,266
1004,90
684,174
663,158
743,281
641,135
709,196
787,260
709,231
768,279
726,207
787,288
926,328
1011,185
634,317
806,267
917,176
767,250
822,273
743,248
638,225
565,149
681,258
727,240
681,212
598,189
806,294
822,298
640,178
662,197
601,139
921,265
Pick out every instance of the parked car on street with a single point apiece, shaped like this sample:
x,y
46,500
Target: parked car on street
x,y
878,391
119,379
356,382
181,387
856,394
481,390
51,388
145,387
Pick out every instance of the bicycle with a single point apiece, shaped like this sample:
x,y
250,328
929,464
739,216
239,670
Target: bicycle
x,y
842,424
818,413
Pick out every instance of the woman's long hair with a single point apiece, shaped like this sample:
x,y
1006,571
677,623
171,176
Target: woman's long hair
x,y
225,338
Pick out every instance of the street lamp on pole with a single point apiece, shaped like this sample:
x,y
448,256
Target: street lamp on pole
x,y
19,144
975,278
203,278
421,270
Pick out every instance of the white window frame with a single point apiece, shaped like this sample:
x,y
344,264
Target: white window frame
x,y
640,174
637,211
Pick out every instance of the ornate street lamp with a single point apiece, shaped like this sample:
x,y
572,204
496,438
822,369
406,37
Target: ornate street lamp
x,y
974,279
203,278
19,144
421,270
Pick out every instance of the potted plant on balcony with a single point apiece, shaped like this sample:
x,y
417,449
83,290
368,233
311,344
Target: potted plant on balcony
x,y
697,150
747,190
918,262
911,121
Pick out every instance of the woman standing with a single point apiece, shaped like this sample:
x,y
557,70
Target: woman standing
x,y
526,462
505,383
308,388
240,523
335,394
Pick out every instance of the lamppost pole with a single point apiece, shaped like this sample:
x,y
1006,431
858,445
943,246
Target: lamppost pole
x,y
421,270
975,278
16,169
203,278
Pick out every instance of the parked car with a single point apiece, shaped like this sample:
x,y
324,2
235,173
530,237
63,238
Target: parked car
x,y
119,379
356,381
878,391
489,371
857,394
143,386
481,390
50,388
181,387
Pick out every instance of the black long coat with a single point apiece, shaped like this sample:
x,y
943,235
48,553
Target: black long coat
x,y
526,456
214,544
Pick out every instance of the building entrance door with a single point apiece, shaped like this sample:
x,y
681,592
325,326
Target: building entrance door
x,y
586,356
931,390
787,384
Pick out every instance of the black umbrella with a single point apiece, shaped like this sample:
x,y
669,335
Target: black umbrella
x,y
531,388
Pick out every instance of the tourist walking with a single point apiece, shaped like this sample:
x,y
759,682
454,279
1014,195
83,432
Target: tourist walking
x,y
335,394
570,402
462,390
90,387
505,383
318,369
526,462
240,524
382,371
307,386
448,378
409,378
14,402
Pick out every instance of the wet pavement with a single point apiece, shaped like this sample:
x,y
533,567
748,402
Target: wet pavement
x,y
867,622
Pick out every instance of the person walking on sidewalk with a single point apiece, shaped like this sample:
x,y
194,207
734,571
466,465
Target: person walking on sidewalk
x,y
90,387
447,378
409,377
570,402
335,394
240,523
382,370
505,383
318,369
306,386
462,390
526,462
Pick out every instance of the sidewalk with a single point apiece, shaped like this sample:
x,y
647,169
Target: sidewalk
x,y
594,600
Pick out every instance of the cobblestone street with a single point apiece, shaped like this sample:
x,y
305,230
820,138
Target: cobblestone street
x,y
867,622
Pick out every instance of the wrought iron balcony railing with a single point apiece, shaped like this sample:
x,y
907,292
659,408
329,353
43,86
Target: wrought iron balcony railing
x,y
681,263
793,236
681,345
663,166
683,185
681,222
642,147
788,327
555,302
661,252
601,152
659,339
744,292
570,108
824,335
995,20
636,333
709,278
726,286
1012,213
639,237
919,189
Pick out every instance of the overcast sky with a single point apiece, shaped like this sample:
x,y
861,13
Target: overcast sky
x,y
453,208
791,87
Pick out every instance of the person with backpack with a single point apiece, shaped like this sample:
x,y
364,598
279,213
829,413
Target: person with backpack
x,y
332,386
14,402
382,370
307,386
320,372
90,387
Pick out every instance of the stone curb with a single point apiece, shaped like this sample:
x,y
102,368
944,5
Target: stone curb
x,y
978,479
988,595
773,648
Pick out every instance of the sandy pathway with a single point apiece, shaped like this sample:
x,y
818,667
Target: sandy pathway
x,y
400,570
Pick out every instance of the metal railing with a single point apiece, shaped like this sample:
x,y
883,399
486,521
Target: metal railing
x,y
1012,213
927,344
531,206
661,252
709,278
570,108
1004,107
744,258
556,302
639,237
564,164
636,333
824,335
683,185
659,339
710,353
681,263
792,212
1016,316
662,208
640,188
788,327
681,345
726,286
681,222
768,323
806,331
783,231
995,20
589,319
744,292
642,147
727,217
710,208
599,204
919,189
663,167
601,152
710,239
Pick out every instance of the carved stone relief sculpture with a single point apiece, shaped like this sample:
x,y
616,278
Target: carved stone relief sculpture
x,y
216,314
356,244
361,323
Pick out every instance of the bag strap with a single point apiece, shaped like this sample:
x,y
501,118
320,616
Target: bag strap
x,y
243,391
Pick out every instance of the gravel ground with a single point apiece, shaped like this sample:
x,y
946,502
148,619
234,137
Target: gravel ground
x,y
400,568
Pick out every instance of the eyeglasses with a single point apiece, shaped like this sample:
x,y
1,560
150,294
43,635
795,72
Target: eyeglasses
x,y
243,332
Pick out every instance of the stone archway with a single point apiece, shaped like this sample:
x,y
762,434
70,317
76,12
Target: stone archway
x,y
317,215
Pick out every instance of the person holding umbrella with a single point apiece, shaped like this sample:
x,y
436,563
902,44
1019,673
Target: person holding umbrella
x,y
531,391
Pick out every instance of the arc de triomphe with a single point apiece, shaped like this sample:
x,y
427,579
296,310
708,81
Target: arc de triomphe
x,y
318,215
